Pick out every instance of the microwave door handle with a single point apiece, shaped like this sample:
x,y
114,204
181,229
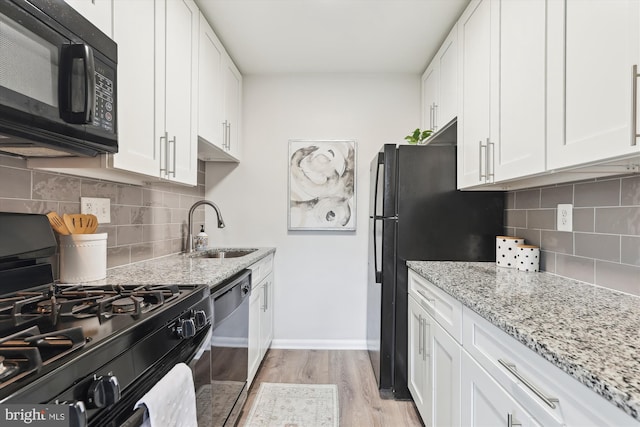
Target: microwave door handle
x,y
69,111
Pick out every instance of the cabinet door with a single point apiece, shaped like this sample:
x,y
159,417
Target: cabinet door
x,y
254,334
266,315
210,89
593,46
181,102
445,371
419,378
233,107
98,12
474,73
447,59
429,96
485,403
138,142
519,150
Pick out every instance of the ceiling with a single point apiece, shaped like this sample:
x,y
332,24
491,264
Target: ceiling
x,y
331,36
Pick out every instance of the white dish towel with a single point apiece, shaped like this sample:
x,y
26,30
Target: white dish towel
x,y
172,401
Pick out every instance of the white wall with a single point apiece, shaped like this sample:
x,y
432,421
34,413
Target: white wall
x,y
321,277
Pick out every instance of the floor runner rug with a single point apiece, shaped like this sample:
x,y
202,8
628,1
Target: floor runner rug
x,y
295,405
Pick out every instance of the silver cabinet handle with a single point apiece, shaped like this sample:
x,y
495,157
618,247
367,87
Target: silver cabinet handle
x,y
634,107
164,149
224,134
173,171
229,136
512,369
432,301
481,176
425,339
420,335
431,116
491,170
511,421
435,117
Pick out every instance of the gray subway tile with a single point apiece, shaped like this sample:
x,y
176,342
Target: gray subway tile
x,y
630,191
575,267
120,215
119,255
528,199
630,250
162,248
597,193
515,218
106,190
510,200
161,215
557,241
171,200
141,252
16,183
550,197
583,219
15,162
621,220
542,219
128,234
154,232
129,195
509,231
599,246
151,197
69,207
47,186
548,261
27,206
531,237
622,277
141,215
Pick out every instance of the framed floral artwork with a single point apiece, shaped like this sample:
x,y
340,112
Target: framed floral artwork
x,y
322,185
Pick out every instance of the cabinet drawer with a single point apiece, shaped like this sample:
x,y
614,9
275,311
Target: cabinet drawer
x,y
551,396
441,306
261,269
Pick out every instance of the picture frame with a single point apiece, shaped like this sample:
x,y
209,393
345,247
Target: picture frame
x,y
322,185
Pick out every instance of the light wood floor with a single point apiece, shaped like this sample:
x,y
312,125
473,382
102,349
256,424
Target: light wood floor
x,y
359,401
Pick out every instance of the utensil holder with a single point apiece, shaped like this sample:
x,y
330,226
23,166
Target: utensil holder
x,y
83,257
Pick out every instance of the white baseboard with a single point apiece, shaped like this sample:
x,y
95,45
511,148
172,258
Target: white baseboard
x,y
292,344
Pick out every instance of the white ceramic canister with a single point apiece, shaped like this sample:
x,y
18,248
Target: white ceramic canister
x,y
83,257
506,254
528,258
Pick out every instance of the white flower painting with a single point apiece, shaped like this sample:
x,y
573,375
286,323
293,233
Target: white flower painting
x,y
322,179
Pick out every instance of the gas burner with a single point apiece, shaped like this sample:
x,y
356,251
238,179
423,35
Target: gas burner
x,y
49,306
128,304
8,368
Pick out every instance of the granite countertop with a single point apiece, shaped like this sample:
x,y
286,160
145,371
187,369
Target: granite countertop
x,y
591,333
179,269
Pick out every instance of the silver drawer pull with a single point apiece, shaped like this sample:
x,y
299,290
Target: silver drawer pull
x,y
431,302
511,421
512,369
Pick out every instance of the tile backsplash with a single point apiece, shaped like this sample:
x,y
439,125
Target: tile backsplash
x,y
604,247
146,221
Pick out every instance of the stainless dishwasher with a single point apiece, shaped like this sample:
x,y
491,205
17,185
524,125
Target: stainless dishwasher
x,y
229,348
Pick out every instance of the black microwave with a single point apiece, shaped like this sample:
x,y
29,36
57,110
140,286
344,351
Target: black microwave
x,y
58,80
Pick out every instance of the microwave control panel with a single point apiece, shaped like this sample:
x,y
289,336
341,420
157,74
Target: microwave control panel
x,y
104,116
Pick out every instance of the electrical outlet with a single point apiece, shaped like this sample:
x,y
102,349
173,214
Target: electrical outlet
x,y
100,207
565,217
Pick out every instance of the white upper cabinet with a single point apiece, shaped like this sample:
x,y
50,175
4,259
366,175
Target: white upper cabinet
x,y
180,89
219,99
593,46
98,12
440,86
474,93
501,126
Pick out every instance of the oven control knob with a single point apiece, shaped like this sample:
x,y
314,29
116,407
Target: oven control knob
x,y
77,413
201,318
103,391
186,328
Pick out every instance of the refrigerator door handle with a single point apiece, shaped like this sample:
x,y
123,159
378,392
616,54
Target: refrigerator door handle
x,y
378,273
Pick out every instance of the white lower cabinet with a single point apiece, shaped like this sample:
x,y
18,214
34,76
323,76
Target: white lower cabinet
x,y
485,403
485,377
434,366
260,313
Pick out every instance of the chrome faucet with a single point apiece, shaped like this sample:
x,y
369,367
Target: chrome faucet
x,y
193,208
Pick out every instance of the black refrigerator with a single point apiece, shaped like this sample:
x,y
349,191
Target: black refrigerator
x,y
416,213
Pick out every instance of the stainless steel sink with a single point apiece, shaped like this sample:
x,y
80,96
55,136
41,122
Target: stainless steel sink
x,y
223,253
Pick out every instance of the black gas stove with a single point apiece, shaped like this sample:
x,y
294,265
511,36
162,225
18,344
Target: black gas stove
x,y
95,349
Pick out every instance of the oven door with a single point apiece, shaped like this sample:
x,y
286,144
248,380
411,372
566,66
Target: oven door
x,y
57,93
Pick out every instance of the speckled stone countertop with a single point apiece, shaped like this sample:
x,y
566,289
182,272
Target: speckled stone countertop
x,y
182,269
589,332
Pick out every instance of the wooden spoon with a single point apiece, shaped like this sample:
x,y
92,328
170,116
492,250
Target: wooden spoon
x,y
57,223
80,223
